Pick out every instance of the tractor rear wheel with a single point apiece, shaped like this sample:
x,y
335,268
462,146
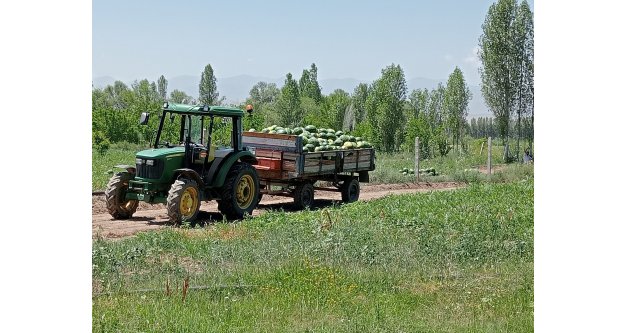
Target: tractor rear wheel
x,y
183,201
350,190
239,195
115,193
304,196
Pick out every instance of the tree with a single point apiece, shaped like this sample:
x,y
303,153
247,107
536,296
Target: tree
x,y
359,100
456,100
263,97
208,87
263,93
162,87
505,55
524,46
385,108
178,96
289,103
337,103
308,84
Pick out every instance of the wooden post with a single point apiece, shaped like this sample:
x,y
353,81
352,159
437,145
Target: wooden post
x,y
204,136
489,165
481,148
416,157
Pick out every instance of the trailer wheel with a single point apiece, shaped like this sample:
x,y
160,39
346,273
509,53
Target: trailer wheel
x,y
350,190
183,201
117,206
240,191
304,196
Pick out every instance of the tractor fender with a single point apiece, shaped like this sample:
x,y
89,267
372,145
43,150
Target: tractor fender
x,y
189,173
228,162
129,168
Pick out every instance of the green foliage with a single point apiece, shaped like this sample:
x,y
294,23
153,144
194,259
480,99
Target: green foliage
x,y
335,104
289,103
455,103
100,142
116,110
208,87
385,108
162,87
506,53
178,96
308,84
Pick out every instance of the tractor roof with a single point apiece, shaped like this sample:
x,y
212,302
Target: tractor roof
x,y
200,110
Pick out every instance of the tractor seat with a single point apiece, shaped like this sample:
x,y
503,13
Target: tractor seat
x,y
199,154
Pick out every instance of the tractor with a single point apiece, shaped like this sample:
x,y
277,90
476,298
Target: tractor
x,y
182,174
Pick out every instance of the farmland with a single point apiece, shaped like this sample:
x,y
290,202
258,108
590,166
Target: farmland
x,y
442,261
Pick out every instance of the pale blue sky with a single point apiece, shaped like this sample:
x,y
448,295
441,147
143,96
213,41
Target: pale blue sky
x,y
345,39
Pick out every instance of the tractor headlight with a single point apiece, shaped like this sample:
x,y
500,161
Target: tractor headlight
x,y
139,161
149,162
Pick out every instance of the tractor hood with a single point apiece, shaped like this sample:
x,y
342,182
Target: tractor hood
x,y
161,152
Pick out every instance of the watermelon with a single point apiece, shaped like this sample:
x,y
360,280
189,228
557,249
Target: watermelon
x,y
311,128
252,130
298,130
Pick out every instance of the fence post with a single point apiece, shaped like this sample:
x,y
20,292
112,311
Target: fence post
x,y
204,137
416,157
489,164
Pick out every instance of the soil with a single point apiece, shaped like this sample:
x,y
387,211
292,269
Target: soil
x,y
150,217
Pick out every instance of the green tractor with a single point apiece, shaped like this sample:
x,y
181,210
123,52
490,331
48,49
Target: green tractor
x,y
183,174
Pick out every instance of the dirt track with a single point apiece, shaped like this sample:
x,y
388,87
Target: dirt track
x,y
149,217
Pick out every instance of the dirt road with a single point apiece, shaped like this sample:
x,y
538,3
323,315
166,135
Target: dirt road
x,y
149,217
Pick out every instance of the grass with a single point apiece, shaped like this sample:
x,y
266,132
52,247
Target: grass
x,y
453,167
438,262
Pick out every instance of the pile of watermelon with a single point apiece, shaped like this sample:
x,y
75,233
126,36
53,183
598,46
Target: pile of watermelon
x,y
322,139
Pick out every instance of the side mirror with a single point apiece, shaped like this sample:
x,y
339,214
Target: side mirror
x,y
144,118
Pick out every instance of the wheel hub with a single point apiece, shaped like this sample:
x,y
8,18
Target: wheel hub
x,y
188,202
245,191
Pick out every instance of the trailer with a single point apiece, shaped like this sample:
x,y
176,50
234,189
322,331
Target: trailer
x,y
285,169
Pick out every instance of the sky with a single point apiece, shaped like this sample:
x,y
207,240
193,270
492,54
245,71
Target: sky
x,y
132,40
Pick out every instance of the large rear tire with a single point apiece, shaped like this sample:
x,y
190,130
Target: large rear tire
x,y
350,190
115,193
304,196
183,201
239,195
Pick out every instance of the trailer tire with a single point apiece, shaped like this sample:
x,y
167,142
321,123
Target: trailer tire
x,y
304,196
183,201
119,208
350,190
239,195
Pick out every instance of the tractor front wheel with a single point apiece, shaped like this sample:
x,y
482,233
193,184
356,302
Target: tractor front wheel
x,y
239,195
115,193
183,201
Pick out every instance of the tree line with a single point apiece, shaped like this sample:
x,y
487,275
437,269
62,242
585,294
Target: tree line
x,y
384,111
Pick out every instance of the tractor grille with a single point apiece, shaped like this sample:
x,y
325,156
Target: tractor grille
x,y
150,171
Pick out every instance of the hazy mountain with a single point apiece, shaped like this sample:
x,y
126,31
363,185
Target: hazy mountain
x,y
237,88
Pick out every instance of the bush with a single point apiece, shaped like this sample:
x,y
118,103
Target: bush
x,y
100,142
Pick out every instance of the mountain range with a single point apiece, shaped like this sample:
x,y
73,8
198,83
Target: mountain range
x,y
236,88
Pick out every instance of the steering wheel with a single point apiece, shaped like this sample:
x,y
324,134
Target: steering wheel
x,y
166,144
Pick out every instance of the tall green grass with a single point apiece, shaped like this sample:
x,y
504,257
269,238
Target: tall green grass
x,y
442,261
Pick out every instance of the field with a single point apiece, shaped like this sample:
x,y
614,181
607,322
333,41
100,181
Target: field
x,y
453,167
443,261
